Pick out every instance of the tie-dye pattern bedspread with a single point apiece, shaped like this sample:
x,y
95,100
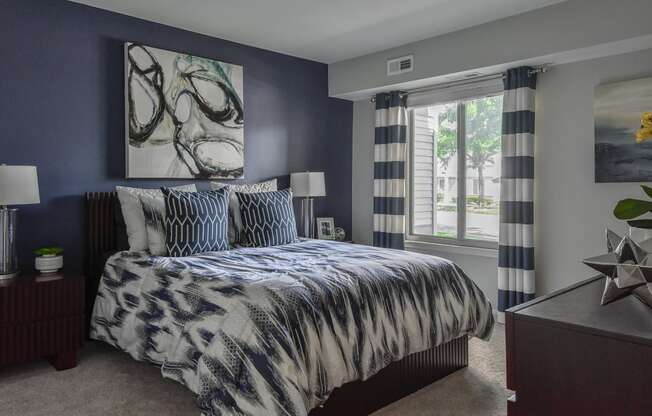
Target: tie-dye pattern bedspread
x,y
272,331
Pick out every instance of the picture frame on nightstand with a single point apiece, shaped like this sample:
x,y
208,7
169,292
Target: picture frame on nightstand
x,y
326,228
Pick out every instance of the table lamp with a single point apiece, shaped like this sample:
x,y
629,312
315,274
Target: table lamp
x,y
18,186
308,185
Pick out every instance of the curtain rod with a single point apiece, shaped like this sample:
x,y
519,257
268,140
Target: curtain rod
x,y
538,70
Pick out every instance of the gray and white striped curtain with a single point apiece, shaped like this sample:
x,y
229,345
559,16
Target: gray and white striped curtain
x,y
390,152
516,240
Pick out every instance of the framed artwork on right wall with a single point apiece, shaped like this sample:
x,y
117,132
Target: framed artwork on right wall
x,y
623,131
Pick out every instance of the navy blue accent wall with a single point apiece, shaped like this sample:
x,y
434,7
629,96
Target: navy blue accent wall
x,y
62,109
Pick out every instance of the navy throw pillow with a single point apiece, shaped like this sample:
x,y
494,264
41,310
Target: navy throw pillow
x,y
196,222
268,218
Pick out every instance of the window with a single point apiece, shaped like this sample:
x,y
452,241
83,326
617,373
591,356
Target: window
x,y
454,175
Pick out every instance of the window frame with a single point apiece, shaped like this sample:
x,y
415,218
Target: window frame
x,y
458,94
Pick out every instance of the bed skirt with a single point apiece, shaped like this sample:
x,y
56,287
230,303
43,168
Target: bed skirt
x,y
399,379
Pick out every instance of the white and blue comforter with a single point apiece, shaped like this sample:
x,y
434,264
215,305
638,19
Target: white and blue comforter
x,y
272,331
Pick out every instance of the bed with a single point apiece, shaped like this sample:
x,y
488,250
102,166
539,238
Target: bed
x,y
312,327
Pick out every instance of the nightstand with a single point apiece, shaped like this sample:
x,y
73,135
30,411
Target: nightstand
x,y
42,316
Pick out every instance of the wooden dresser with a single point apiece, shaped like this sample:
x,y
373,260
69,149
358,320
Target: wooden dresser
x,y
568,355
42,317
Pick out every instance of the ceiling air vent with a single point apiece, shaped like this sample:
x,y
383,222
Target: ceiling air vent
x,y
400,65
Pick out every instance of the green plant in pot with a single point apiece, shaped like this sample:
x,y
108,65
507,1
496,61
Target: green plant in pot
x,y
636,213
630,209
48,259
48,251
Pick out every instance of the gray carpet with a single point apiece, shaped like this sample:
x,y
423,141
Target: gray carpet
x,y
108,382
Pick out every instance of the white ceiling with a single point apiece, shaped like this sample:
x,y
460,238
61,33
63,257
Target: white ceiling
x,y
322,30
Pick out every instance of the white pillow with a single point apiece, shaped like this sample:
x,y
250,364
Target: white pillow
x,y
132,211
235,218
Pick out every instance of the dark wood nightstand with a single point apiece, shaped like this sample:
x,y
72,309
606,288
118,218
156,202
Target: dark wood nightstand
x,y
42,316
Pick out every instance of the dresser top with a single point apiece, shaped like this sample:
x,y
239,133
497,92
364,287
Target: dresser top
x,y
578,307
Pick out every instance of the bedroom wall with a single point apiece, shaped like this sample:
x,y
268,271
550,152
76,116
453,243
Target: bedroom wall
x,y
62,109
567,31
571,210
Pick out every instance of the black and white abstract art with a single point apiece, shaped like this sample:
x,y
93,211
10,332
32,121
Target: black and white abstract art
x,y
618,108
184,115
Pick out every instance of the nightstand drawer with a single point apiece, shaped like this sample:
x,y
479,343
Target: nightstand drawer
x,y
32,341
42,317
31,300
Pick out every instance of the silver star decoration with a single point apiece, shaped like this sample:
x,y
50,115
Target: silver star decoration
x,y
627,267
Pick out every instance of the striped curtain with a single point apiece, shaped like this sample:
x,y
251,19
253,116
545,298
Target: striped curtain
x,y
516,240
390,152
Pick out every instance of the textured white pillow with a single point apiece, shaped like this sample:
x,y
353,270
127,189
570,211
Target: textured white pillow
x,y
132,211
235,218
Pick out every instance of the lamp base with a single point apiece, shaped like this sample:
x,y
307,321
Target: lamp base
x,y
8,251
308,217
9,276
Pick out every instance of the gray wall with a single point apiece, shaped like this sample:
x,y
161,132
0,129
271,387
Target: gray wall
x,y
571,210
569,31
362,175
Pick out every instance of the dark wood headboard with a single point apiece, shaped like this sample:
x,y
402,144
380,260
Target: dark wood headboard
x,y
103,223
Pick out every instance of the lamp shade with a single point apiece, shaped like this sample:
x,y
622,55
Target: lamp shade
x,y
18,185
308,184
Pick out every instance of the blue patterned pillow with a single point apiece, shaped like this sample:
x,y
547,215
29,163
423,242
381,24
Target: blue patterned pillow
x,y
196,222
268,218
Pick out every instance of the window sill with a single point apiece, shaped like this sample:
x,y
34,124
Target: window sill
x,y
438,248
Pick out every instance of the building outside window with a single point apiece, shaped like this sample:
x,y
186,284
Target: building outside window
x,y
454,176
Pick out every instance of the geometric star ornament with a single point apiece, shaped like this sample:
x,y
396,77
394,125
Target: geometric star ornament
x,y
627,267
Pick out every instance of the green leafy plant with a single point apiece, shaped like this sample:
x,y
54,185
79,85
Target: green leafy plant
x,y
483,139
48,251
628,209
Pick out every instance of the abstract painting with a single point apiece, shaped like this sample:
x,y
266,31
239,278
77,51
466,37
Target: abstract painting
x,y
619,109
184,115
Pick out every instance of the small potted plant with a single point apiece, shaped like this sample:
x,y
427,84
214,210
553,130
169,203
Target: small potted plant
x,y
637,213
48,259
